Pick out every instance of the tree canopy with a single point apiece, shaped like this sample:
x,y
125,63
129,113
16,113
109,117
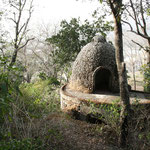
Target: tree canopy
x,y
73,35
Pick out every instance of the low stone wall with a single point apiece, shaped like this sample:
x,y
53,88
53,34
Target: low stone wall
x,y
80,103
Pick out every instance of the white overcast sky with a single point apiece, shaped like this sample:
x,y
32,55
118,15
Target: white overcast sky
x,y
53,11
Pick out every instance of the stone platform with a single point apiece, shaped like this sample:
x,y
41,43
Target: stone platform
x,y
80,102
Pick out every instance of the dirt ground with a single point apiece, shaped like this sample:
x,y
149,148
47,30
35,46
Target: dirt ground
x,y
66,133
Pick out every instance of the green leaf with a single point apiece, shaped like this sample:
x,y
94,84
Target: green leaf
x,y
3,87
101,1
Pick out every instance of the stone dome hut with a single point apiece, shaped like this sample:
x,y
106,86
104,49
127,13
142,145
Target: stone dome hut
x,y
95,68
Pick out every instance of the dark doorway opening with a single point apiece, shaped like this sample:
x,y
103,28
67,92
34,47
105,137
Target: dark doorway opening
x,y
102,80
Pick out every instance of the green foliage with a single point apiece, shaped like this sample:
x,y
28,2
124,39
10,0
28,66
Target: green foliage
x,y
51,80
109,113
25,144
148,11
21,103
145,69
74,35
10,80
36,102
40,98
54,133
1,13
100,1
139,126
42,76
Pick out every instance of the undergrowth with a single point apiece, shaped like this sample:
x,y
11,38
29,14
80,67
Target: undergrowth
x,y
21,124
138,127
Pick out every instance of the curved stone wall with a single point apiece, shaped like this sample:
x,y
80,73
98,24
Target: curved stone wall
x,y
80,102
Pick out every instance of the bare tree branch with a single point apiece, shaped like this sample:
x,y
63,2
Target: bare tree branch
x,y
137,33
137,14
2,52
22,4
130,14
24,27
12,5
12,20
135,17
131,29
20,30
143,19
40,59
144,48
25,43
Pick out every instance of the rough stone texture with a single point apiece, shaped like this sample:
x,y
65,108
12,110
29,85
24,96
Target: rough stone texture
x,y
71,99
96,55
81,102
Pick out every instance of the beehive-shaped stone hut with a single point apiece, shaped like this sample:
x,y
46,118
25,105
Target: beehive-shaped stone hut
x,y
95,68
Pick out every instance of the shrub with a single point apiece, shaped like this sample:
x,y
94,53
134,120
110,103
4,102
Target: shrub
x,y
25,144
145,69
20,106
10,79
108,113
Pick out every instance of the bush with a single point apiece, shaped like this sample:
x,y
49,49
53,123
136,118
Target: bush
x,y
10,79
21,130
20,106
39,98
108,113
25,144
145,69
42,76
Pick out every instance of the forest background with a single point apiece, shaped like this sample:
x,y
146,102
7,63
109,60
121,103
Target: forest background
x,y
36,59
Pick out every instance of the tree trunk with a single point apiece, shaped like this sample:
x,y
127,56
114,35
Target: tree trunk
x,y
13,59
148,53
28,77
134,78
124,93
124,115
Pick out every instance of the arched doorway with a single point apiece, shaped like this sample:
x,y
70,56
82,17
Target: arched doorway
x,y
102,80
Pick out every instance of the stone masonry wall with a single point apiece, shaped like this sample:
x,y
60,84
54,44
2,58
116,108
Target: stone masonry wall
x,y
95,54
